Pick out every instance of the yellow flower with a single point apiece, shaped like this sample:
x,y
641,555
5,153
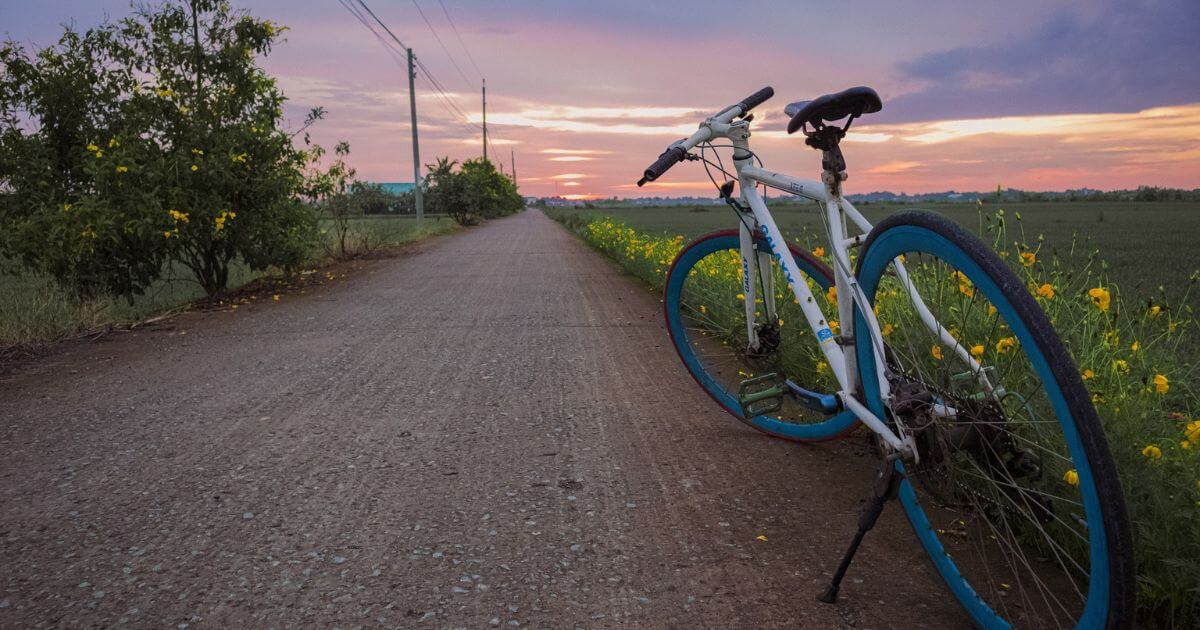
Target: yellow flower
x,y
1028,258
122,169
967,290
831,295
1152,451
1155,310
239,158
888,329
1161,384
822,367
195,168
1088,375
92,148
742,297
1111,338
178,216
936,351
834,326
276,297
703,308
99,154
1046,291
112,143
1071,477
977,351
991,310
1006,344
197,152
1120,365
1135,347
1100,297
762,538
818,252
961,277
1192,432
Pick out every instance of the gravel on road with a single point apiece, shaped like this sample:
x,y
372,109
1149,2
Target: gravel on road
x,y
492,431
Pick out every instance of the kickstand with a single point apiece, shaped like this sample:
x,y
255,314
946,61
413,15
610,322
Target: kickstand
x,y
885,488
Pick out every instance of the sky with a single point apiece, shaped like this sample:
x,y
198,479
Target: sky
x,y
1031,94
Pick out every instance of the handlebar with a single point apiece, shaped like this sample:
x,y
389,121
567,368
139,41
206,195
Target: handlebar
x,y
678,150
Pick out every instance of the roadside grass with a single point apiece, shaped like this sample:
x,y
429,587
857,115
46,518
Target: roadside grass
x,y
1149,249
34,310
1122,345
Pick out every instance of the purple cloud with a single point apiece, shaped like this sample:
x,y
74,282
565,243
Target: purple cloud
x,y
1120,57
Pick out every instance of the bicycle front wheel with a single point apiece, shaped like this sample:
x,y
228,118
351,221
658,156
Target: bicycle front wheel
x,y
704,304
1015,496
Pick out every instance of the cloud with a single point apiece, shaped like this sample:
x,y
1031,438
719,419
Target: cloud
x,y
575,152
1118,57
893,167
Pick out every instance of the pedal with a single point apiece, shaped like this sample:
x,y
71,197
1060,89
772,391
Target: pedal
x,y
761,395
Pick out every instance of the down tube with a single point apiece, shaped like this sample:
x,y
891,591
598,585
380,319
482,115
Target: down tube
x,y
816,319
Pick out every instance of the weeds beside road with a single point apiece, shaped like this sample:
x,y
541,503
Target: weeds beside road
x,y
34,309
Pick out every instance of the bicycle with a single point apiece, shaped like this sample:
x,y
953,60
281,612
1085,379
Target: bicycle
x,y
989,439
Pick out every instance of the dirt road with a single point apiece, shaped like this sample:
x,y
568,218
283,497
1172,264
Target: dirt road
x,y
491,432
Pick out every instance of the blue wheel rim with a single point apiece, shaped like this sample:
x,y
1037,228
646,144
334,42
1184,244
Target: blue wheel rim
x,y
826,429
903,239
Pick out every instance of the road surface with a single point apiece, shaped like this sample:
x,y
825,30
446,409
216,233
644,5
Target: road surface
x,y
493,431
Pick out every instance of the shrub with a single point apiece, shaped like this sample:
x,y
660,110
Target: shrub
x,y
474,192
157,139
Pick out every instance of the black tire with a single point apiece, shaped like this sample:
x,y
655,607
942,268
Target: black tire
x,y
924,233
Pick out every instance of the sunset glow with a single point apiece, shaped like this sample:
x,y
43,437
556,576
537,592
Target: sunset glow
x,y
966,106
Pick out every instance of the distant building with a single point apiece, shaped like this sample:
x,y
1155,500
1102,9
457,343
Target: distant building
x,y
397,188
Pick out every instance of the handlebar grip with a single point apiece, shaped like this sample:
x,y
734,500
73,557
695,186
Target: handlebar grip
x,y
756,99
669,158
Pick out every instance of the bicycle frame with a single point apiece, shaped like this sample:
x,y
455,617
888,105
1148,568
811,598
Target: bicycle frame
x,y
839,215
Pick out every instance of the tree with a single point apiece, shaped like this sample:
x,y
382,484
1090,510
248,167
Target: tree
x,y
156,139
448,193
475,192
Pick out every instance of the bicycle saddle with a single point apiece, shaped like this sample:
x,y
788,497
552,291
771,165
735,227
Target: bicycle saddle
x,y
855,101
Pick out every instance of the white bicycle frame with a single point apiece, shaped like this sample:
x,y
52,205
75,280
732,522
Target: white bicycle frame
x,y
840,214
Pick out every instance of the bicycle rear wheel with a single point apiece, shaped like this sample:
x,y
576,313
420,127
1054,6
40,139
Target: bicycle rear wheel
x,y
704,306
1015,497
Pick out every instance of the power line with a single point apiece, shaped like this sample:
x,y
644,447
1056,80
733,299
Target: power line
x,y
442,44
460,40
380,22
451,104
458,114
363,20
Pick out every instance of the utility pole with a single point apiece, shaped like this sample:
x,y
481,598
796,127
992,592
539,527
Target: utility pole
x,y
412,104
485,119
512,156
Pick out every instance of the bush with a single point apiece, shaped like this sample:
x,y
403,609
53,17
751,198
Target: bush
x,y
1127,354
474,192
154,140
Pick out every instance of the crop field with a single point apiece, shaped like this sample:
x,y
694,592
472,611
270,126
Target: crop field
x,y
1145,245
34,310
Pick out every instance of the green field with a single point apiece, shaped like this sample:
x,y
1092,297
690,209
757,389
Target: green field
x,y
1146,245
34,310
